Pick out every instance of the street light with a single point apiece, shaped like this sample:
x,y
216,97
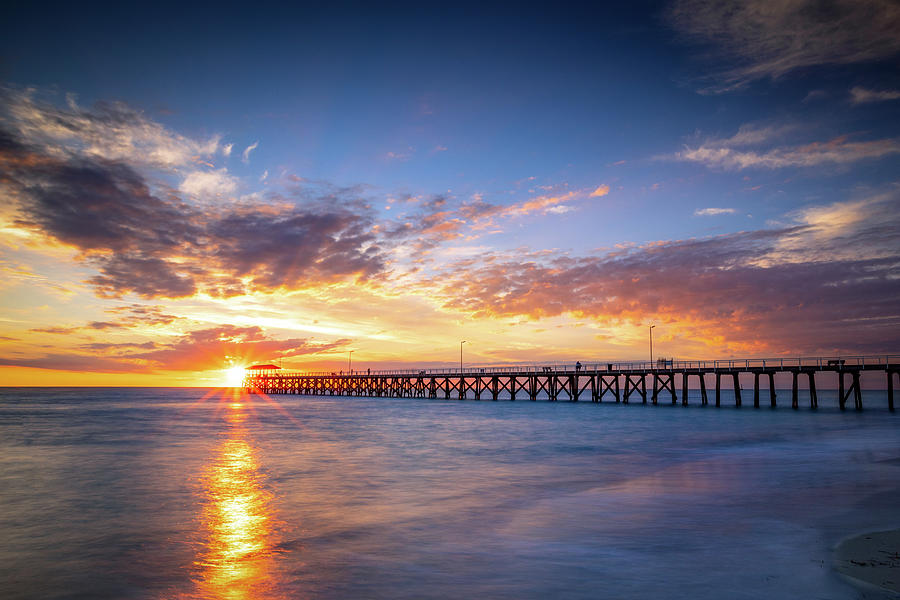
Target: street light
x,y
460,355
651,345
350,361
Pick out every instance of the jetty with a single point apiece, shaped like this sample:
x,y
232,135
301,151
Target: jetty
x,y
619,381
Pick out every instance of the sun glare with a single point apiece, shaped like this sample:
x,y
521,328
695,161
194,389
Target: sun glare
x,y
234,376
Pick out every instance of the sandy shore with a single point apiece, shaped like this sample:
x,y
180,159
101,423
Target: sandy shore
x,y
872,557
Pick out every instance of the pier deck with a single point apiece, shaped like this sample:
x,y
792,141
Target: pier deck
x,y
619,381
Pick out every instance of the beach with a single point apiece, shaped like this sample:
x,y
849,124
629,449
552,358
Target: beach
x,y
872,558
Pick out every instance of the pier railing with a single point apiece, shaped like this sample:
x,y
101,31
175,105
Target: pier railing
x,y
597,378
780,363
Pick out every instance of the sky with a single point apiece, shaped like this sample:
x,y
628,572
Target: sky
x,y
186,189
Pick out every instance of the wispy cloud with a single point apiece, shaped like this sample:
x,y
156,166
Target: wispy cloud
x,y
859,95
400,156
737,152
245,156
771,39
712,212
226,149
111,131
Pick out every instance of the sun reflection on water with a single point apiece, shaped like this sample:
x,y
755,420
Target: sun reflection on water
x,y
237,562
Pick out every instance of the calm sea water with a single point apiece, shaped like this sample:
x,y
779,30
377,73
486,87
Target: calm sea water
x,y
189,493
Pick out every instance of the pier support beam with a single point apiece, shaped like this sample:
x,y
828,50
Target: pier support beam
x,y
854,389
813,397
737,387
890,388
663,381
756,375
635,383
608,383
795,404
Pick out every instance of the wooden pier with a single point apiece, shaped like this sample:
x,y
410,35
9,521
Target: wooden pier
x,y
619,382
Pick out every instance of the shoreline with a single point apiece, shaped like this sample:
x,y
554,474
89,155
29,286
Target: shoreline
x,y
871,558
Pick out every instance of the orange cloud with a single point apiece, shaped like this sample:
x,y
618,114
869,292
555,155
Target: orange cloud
x,y
600,191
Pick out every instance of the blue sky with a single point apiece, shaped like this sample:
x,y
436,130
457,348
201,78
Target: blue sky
x,y
565,132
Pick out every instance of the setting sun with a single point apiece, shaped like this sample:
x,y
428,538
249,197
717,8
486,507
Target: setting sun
x,y
234,376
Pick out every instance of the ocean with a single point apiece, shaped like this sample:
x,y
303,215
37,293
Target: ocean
x,y
141,493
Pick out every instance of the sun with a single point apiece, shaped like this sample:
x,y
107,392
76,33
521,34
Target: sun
x,y
234,376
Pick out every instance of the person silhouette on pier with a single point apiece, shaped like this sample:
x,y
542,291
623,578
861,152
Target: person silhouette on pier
x,y
577,366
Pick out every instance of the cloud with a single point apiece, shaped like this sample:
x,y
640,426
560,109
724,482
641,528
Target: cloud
x,y
55,330
736,152
214,348
105,325
860,95
437,221
712,212
543,204
126,317
226,149
134,315
814,95
111,131
245,156
158,246
199,350
829,281
209,185
770,39
399,156
600,191
296,246
117,345
59,361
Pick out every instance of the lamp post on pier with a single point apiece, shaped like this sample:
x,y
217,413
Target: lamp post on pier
x,y
651,345
350,361
460,356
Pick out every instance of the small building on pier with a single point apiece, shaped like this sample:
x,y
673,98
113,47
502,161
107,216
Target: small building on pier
x,y
262,370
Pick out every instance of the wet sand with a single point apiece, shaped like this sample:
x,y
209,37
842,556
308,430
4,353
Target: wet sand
x,y
873,558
